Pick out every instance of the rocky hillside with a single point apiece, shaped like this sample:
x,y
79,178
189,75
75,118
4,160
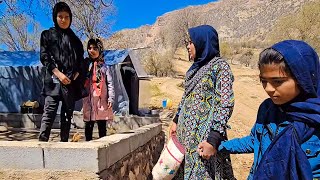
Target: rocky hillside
x,y
235,20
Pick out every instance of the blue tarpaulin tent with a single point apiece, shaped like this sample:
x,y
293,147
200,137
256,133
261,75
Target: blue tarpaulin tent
x,y
21,78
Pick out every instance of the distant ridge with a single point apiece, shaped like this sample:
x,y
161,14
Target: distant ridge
x,y
235,20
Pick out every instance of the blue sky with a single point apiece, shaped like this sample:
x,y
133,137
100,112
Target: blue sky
x,y
135,13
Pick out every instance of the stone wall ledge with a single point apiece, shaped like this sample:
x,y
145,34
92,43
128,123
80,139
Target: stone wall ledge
x,y
94,156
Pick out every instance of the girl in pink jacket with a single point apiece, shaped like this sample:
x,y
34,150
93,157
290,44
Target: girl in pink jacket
x,y
97,107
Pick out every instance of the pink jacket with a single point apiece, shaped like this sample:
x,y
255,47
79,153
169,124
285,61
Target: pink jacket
x,y
95,106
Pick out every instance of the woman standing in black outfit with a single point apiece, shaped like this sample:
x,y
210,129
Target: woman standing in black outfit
x,y
61,53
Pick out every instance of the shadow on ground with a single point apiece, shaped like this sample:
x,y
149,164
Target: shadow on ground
x,y
20,134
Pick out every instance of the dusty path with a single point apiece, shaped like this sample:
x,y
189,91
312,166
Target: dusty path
x,y
248,96
168,88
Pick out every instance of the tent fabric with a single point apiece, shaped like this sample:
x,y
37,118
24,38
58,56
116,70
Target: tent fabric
x,y
20,84
113,57
19,58
21,78
121,103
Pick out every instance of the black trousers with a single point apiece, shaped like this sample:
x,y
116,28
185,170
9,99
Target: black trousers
x,y
102,128
49,115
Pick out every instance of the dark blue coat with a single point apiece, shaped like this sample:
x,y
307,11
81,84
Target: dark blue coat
x,y
294,152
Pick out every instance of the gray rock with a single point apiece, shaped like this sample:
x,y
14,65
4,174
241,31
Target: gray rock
x,y
3,129
167,114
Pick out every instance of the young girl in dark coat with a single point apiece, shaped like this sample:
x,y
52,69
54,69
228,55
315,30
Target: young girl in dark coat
x,y
61,53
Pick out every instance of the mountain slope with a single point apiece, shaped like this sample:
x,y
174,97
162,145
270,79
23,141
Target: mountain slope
x,y
236,20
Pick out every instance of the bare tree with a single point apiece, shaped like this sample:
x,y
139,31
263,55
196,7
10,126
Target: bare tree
x,y
247,58
158,64
19,30
175,31
302,25
18,33
90,17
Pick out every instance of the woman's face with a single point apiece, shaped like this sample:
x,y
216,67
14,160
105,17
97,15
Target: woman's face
x,y
280,86
93,51
63,20
191,50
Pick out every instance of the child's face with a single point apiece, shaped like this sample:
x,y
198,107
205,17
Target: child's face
x,y
63,19
281,87
93,51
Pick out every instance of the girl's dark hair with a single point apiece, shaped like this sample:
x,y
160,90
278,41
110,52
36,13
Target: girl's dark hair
x,y
96,42
60,7
271,56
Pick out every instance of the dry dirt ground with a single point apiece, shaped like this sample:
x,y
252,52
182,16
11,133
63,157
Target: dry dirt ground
x,y
248,96
8,174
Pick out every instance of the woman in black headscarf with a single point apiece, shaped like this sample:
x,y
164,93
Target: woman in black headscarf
x,y
61,53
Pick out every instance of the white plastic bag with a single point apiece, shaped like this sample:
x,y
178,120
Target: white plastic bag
x,y
169,161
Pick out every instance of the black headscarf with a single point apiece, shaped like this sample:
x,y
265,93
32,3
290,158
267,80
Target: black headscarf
x,y
71,50
60,7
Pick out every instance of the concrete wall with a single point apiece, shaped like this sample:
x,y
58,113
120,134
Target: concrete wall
x,y
130,155
138,164
33,121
